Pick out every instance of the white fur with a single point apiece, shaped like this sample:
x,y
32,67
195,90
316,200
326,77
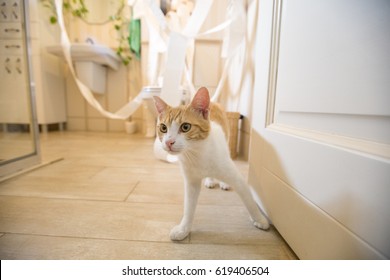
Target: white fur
x,y
208,158
173,134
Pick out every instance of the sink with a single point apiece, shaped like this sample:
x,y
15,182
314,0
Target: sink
x,y
99,54
91,63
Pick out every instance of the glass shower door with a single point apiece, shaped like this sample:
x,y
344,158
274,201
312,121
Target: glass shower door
x,y
19,142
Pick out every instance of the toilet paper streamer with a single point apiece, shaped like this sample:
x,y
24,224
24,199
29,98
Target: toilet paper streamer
x,y
122,113
174,68
176,62
177,50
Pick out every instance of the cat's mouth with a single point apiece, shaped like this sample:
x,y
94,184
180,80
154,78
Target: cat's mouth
x,y
172,147
172,151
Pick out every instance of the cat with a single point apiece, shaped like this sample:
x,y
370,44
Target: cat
x,y
197,134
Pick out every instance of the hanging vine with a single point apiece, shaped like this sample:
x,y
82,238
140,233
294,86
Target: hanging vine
x,y
78,9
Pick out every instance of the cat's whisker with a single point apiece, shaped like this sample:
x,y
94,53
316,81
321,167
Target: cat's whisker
x,y
191,156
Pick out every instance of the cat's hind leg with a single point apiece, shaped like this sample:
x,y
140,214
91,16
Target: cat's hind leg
x,y
224,186
233,177
211,183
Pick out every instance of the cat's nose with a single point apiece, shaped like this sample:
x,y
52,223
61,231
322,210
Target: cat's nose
x,y
170,143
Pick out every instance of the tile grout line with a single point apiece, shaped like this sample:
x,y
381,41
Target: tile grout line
x,y
97,238
29,170
59,198
99,200
132,190
186,241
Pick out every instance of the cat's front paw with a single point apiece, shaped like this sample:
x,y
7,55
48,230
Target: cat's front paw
x,y
179,233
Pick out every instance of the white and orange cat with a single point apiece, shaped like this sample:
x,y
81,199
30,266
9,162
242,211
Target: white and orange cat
x,y
197,133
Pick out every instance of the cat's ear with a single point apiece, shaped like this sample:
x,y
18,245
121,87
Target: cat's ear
x,y
201,102
161,106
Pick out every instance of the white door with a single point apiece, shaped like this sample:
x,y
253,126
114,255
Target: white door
x,y
320,145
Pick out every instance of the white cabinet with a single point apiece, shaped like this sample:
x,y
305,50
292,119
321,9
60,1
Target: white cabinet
x,y
46,70
14,80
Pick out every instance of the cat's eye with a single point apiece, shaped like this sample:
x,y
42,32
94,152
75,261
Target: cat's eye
x,y
185,127
163,128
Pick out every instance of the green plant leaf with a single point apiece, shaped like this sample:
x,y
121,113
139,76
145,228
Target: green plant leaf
x,y
53,20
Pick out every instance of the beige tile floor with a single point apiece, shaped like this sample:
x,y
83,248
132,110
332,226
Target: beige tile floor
x,y
109,198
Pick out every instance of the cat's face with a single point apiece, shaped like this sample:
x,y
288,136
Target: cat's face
x,y
180,128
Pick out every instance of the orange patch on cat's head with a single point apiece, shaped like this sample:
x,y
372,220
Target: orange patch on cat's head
x,y
200,126
196,114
